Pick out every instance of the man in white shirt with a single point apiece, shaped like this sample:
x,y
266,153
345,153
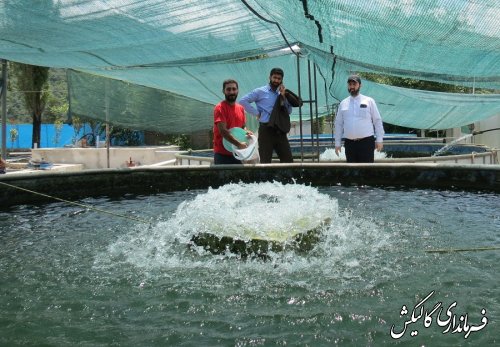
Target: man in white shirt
x,y
359,123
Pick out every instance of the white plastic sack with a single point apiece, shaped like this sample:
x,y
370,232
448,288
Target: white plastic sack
x,y
249,155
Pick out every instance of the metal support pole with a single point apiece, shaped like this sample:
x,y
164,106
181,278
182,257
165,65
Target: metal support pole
x,y
106,110
310,103
300,111
4,108
335,109
316,108
329,114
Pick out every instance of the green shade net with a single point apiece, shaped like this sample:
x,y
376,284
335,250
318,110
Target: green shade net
x,y
189,92
135,106
444,40
159,64
410,107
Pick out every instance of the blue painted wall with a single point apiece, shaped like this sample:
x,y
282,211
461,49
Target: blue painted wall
x,y
47,136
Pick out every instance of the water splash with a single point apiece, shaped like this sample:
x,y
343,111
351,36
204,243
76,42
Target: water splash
x,y
451,144
350,248
256,210
329,155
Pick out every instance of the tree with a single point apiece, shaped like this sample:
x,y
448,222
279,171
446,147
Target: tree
x,y
32,82
57,104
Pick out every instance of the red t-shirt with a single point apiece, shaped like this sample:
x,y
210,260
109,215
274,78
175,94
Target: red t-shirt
x,y
233,116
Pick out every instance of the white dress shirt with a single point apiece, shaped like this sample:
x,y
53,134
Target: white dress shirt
x,y
358,117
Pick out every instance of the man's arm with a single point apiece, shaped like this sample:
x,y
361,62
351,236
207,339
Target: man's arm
x,y
220,119
224,131
378,126
248,99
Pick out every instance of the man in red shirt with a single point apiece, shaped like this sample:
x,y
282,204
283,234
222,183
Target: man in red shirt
x,y
3,166
228,114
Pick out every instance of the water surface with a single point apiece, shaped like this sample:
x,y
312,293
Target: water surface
x,y
72,276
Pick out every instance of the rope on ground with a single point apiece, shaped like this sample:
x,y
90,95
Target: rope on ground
x,y
453,250
78,204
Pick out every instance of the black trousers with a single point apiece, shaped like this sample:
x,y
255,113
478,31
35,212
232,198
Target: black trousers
x,y
360,151
225,159
272,139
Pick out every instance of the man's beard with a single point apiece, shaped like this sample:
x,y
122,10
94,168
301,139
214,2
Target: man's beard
x,y
353,91
231,98
274,85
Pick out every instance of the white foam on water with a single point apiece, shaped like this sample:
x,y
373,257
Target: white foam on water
x,y
256,210
349,248
329,155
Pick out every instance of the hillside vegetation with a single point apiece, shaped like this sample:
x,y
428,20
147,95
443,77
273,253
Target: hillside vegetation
x,y
57,106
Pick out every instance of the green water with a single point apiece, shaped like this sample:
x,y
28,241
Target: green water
x,y
77,277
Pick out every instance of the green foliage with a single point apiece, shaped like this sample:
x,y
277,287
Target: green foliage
x,y
124,136
32,82
96,129
58,125
57,103
77,124
181,140
396,129
56,97
117,135
420,84
318,125
16,110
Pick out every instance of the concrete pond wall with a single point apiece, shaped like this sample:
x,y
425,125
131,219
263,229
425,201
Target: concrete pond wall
x,y
19,189
96,158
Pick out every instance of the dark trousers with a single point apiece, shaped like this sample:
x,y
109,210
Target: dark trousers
x,y
220,159
360,151
271,139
